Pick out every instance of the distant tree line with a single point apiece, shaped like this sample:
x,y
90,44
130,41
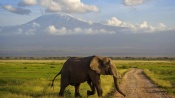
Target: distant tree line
x,y
65,58
142,58
33,58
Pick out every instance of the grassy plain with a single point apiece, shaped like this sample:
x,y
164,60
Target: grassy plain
x,y
32,78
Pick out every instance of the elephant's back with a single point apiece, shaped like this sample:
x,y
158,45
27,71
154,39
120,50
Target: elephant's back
x,y
77,68
79,60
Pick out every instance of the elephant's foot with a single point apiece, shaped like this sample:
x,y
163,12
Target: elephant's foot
x,y
90,93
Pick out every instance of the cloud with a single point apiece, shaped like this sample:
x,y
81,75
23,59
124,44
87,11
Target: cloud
x,y
16,10
69,6
21,31
27,3
51,6
142,27
64,31
116,22
30,32
133,2
87,21
54,31
34,25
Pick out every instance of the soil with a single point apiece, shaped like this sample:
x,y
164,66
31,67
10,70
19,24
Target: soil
x,y
136,84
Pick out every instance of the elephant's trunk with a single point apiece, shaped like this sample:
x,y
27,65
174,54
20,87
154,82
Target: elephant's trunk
x,y
115,77
117,86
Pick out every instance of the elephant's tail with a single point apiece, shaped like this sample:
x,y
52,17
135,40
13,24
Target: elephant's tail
x,y
52,85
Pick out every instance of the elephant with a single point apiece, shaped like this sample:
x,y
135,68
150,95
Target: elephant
x,y
77,70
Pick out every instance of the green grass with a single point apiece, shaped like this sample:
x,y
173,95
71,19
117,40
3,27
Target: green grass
x,y
32,78
27,78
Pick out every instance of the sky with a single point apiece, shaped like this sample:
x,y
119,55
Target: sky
x,y
151,13
149,26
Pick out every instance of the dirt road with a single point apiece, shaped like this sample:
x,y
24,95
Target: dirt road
x,y
136,84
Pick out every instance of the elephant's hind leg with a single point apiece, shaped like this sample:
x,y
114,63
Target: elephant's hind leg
x,y
63,86
77,93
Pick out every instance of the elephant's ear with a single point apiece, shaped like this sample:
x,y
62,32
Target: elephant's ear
x,y
96,65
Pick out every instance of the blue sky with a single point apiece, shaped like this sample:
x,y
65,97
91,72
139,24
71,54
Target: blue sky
x,y
151,11
143,27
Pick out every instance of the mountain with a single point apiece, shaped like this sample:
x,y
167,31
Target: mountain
x,y
53,23
65,35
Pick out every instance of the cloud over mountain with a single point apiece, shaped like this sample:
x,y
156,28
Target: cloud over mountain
x,y
143,27
64,31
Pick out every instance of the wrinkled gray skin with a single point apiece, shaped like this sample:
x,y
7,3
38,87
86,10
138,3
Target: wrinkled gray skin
x,y
78,70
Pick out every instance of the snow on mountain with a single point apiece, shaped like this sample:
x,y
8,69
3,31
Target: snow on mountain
x,y
59,24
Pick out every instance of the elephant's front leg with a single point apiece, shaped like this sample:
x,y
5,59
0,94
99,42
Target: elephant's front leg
x,y
96,82
92,92
77,93
98,88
